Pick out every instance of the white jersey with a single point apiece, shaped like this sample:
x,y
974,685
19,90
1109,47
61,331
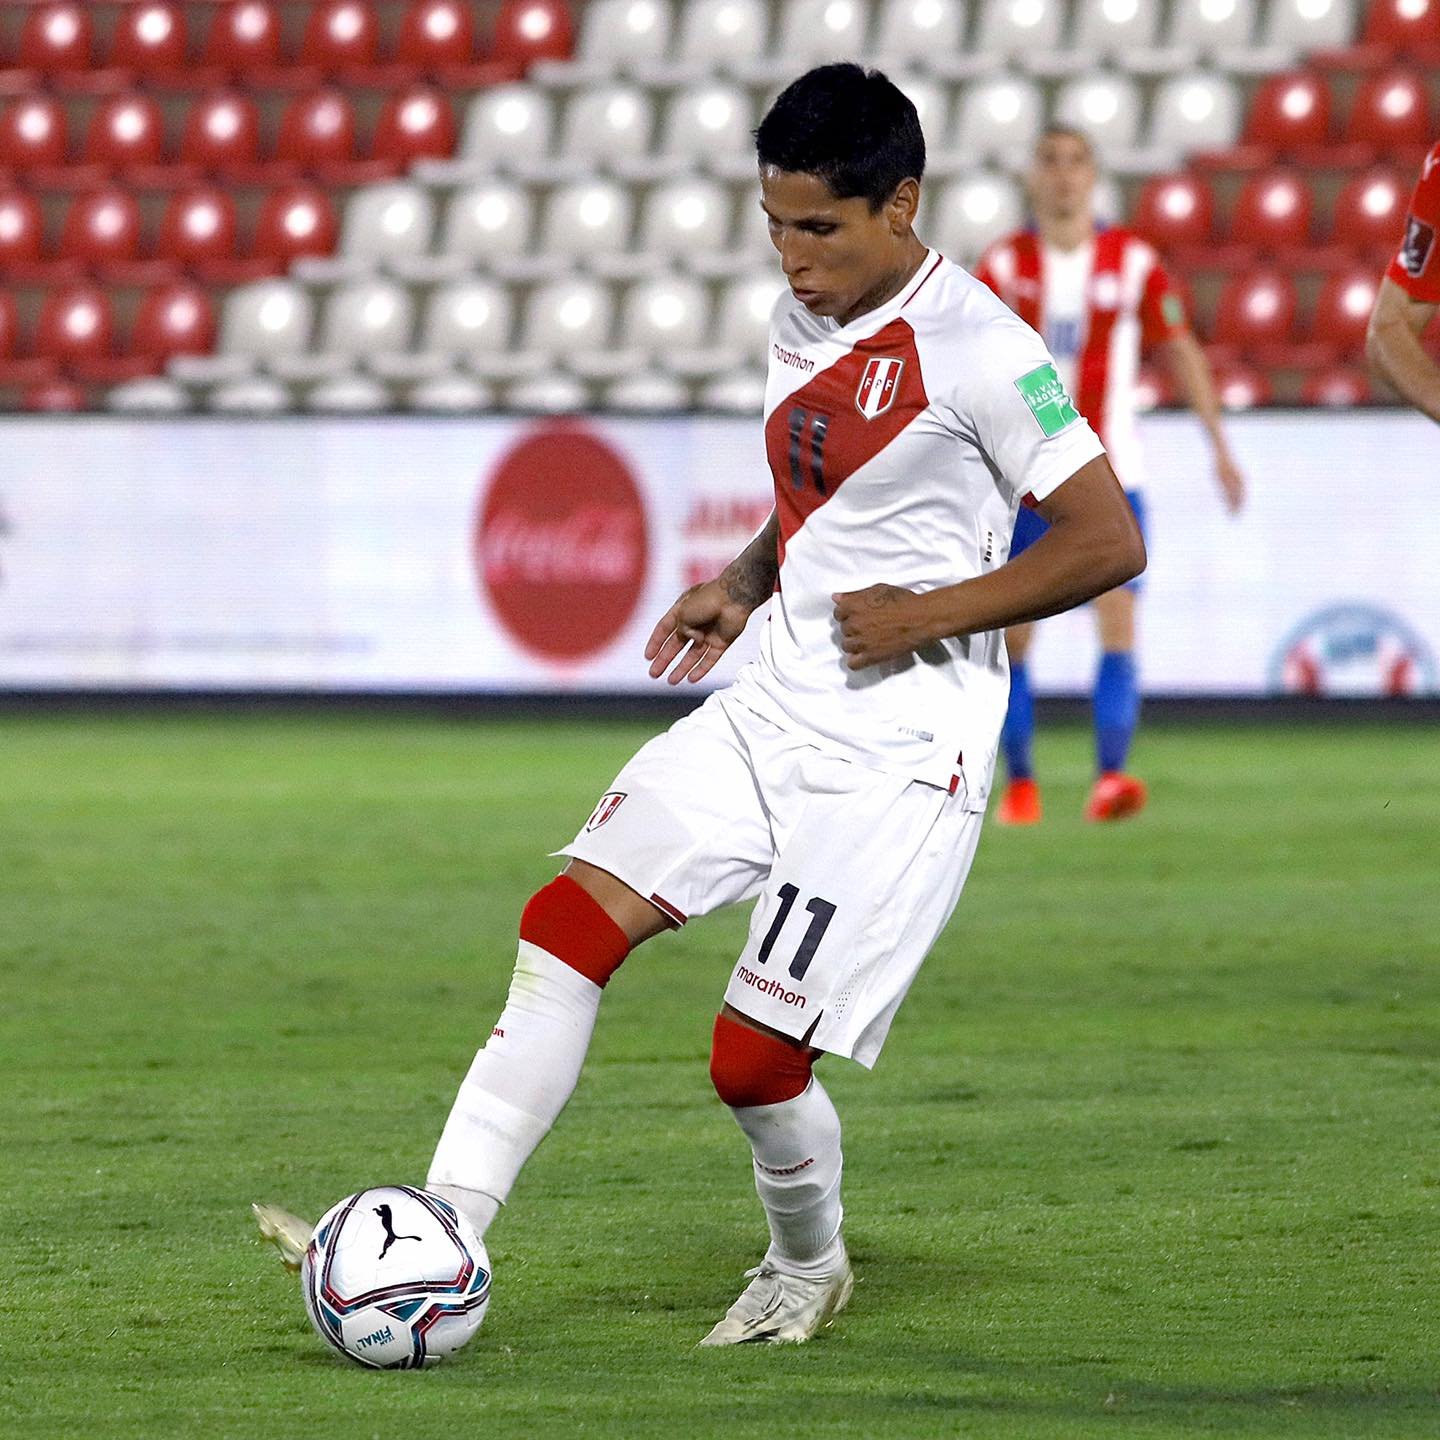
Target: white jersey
x,y
901,446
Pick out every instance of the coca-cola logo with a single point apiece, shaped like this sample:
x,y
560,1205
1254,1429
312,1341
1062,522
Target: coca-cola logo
x,y
561,543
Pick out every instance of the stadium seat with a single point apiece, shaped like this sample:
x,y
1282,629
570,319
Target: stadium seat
x,y
587,218
1290,113
244,38
508,123
492,219
999,119
741,392
1020,27
1342,313
16,367
1116,29
102,227
317,132
743,315
1240,387
1391,112
1273,212
553,393
341,36
388,222
685,217
348,395
266,320
149,38
1195,111
415,124
1339,387
76,325
451,395
466,318
607,122
930,99
618,32
719,32
150,395
1406,27
222,134
567,315
973,211
913,30
531,30
1305,25
1370,212
22,230
175,319
1256,312
1175,211
126,132
57,39
258,395
199,229
437,36
53,397
367,317
295,221
813,31
668,312
1212,25
1105,107
34,134
1154,388
647,393
710,119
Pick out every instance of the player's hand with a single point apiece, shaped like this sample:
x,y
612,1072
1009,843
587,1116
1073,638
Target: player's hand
x,y
1232,483
880,623
704,619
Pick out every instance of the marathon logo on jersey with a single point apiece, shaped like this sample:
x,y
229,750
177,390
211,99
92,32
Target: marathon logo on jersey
x,y
1044,393
609,804
879,385
1417,246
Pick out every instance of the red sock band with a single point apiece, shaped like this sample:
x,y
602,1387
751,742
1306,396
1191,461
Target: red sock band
x,y
750,1068
566,921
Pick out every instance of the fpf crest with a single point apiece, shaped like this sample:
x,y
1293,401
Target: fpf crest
x,y
879,385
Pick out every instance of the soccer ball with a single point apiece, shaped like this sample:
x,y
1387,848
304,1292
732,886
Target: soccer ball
x,y
395,1278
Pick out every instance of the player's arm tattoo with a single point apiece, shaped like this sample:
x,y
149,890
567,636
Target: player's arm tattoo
x,y
749,579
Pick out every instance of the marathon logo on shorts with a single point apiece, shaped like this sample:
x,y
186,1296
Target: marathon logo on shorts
x,y
770,987
879,385
610,802
1417,246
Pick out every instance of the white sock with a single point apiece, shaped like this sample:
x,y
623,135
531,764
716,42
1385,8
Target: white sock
x,y
796,1145
517,1084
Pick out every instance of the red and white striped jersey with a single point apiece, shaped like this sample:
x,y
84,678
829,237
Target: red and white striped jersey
x,y
1416,268
1096,307
901,446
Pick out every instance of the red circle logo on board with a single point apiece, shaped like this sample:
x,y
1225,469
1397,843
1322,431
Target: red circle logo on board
x,y
561,543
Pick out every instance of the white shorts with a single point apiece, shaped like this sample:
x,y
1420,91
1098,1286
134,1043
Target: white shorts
x,y
856,870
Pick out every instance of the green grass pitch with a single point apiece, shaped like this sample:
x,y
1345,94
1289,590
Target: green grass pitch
x,y
1153,1149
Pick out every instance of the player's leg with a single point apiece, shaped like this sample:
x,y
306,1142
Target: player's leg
x,y
1020,803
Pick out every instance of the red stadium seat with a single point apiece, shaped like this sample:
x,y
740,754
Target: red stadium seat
x,y
1392,113
76,324
16,368
437,35
1406,27
57,39
1154,387
102,227
530,30
318,130
1256,311
198,228
125,132
33,134
54,396
1273,212
1175,211
1240,387
22,230
1370,212
1290,113
149,38
1342,313
342,35
1338,387
416,124
175,319
222,133
294,222
244,37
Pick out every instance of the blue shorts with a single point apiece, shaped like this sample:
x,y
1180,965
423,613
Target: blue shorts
x,y
1030,525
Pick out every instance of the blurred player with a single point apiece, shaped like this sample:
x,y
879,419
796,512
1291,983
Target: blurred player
x,y
1096,295
1408,296
841,781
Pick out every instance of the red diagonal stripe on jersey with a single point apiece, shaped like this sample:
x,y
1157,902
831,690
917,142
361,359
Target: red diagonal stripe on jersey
x,y
817,437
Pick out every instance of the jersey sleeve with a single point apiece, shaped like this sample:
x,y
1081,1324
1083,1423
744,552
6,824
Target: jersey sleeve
x,y
1013,404
1162,309
1416,268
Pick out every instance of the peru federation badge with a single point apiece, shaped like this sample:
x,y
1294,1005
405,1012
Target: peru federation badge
x,y
879,385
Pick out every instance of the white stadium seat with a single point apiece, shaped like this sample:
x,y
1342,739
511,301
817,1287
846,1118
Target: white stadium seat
x,y
1194,111
348,395
1304,25
709,119
565,315
752,234
387,222
647,392
669,312
743,318
269,319
367,317
469,317
607,122
257,396
1212,24
1115,27
508,123
451,395
1105,107
1001,118
971,212
908,30
686,217
494,218
553,393
716,31
932,104
614,33
149,396
1020,27
587,218
742,392
814,31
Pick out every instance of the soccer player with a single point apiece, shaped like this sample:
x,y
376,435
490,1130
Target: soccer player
x,y
1407,299
841,781
1096,294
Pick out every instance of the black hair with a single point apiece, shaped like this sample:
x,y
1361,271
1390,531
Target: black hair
x,y
853,128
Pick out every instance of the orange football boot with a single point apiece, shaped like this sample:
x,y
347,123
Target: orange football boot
x,y
1020,804
1116,796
